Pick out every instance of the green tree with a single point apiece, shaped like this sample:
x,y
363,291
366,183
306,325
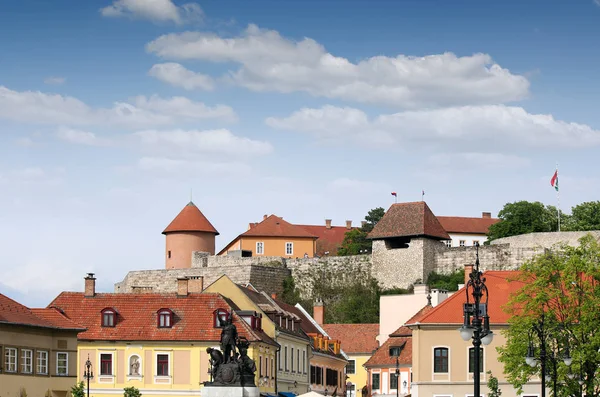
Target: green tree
x,y
290,295
355,242
523,217
586,216
78,390
372,218
492,385
448,282
563,284
131,392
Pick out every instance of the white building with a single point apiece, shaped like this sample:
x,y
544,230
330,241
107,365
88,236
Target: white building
x,y
466,231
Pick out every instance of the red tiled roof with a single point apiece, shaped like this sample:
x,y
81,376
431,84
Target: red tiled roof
x,y
190,219
501,285
355,338
329,239
408,220
275,226
381,358
137,317
420,314
459,224
12,312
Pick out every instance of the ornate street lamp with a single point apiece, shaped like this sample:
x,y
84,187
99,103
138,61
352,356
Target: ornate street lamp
x,y
476,324
88,374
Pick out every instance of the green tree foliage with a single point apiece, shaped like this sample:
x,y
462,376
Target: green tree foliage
x,y
448,282
492,385
522,217
78,390
131,392
355,241
290,295
586,216
564,285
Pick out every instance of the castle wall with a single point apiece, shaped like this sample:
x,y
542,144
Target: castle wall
x,y
398,267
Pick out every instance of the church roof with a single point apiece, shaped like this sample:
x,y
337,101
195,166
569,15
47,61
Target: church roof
x,y
409,220
190,219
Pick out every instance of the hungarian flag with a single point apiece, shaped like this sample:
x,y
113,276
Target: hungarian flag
x,y
394,194
554,180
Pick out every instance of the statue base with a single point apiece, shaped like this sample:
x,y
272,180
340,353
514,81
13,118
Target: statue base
x,y
230,391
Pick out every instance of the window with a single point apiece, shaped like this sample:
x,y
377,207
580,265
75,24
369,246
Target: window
x,y
42,362
106,364
266,366
461,243
165,318
260,248
26,361
472,360
162,365
62,364
448,243
331,377
10,359
289,248
475,243
298,361
375,382
169,254
279,359
285,358
220,317
313,374
260,366
394,380
108,318
351,367
292,358
304,361
440,360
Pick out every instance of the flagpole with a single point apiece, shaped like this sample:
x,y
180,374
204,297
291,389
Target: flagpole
x,y
422,195
558,197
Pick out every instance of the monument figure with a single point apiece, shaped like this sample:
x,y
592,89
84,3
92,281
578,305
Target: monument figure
x,y
229,339
135,367
216,359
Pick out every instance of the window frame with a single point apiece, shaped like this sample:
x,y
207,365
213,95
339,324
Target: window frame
x,y
471,360
289,244
353,367
102,362
23,361
378,381
7,364
66,366
37,362
285,356
392,378
462,243
441,360
260,244
160,364
292,359
167,314
106,314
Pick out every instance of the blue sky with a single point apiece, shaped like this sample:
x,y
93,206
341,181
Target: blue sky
x,y
111,111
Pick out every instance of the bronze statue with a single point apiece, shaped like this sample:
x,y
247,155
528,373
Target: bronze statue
x,y
216,359
229,337
246,364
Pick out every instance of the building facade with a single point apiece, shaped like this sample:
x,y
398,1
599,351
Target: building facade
x,y
38,349
467,231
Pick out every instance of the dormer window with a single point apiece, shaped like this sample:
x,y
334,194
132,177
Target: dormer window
x,y
165,318
220,317
109,317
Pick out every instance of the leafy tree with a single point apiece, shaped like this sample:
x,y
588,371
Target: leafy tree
x,y
563,285
372,218
78,390
523,217
290,295
131,392
492,384
448,282
586,216
355,241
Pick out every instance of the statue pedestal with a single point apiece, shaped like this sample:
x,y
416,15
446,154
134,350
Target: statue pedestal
x,y
230,391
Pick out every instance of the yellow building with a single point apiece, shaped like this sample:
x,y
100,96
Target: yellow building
x,y
38,349
290,369
359,341
274,237
156,342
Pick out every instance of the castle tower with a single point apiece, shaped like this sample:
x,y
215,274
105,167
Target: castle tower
x,y
190,231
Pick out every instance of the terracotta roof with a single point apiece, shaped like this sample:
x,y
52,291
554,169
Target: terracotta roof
x,y
459,224
190,219
500,287
275,226
355,338
329,239
420,314
382,358
409,220
137,317
12,312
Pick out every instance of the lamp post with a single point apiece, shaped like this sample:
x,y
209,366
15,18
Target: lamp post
x,y
540,329
88,374
476,322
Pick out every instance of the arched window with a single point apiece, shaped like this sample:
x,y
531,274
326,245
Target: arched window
x,y
165,318
109,317
220,317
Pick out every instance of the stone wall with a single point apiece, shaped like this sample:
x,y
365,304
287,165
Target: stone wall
x,y
398,267
545,240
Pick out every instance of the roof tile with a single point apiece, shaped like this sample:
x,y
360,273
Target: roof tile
x,y
275,226
409,220
12,312
355,338
460,224
190,219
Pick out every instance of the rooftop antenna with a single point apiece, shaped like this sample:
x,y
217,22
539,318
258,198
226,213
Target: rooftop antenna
x,y
191,195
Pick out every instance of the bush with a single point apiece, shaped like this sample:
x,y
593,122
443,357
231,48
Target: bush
x,y
131,392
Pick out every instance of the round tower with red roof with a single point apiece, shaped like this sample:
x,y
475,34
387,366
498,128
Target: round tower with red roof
x,y
190,231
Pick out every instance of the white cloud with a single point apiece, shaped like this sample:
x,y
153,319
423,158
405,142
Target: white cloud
x,y
41,278
166,166
55,80
212,142
25,142
270,62
476,161
35,107
154,10
479,126
80,137
33,176
177,75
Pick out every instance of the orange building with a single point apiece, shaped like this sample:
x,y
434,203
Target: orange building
x,y
190,231
274,237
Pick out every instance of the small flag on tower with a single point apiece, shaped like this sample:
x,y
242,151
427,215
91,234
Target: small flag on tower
x,y
554,180
394,194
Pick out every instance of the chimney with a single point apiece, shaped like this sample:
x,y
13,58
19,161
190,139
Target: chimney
x,y
195,284
363,223
348,225
328,223
468,270
420,289
182,286
319,312
265,216
274,295
486,215
90,286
